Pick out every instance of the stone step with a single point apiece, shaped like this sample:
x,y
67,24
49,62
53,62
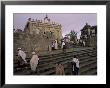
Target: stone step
x,y
48,72
90,71
58,54
62,54
87,59
63,62
87,63
52,64
88,68
51,59
83,68
52,72
47,65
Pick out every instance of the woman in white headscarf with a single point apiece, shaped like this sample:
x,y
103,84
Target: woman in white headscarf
x,y
34,61
22,54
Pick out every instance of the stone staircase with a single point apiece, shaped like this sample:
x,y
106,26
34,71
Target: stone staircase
x,y
46,66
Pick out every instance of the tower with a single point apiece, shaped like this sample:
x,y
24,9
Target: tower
x,y
46,19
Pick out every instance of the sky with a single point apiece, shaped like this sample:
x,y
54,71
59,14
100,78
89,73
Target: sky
x,y
69,21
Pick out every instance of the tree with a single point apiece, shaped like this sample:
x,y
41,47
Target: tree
x,y
73,35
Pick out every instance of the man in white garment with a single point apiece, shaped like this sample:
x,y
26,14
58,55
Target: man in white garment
x,y
84,43
64,46
56,44
22,54
75,65
34,62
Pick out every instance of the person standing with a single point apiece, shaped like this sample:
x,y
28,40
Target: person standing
x,y
84,43
81,42
22,55
63,46
75,63
56,44
34,62
59,69
53,46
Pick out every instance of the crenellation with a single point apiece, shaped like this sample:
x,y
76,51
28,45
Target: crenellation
x,y
37,33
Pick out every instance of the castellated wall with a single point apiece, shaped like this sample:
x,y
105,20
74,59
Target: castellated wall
x,y
37,36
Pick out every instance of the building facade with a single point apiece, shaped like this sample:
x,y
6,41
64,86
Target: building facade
x,y
89,35
37,35
44,27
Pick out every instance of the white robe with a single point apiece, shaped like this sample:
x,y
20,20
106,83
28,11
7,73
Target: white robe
x,y
34,62
62,45
56,44
83,43
23,55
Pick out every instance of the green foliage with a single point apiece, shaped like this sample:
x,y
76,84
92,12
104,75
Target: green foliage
x,y
72,35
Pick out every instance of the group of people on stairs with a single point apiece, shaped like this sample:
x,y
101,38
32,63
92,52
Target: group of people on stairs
x,y
59,67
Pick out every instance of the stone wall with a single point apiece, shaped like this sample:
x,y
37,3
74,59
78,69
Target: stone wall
x,y
37,36
29,42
